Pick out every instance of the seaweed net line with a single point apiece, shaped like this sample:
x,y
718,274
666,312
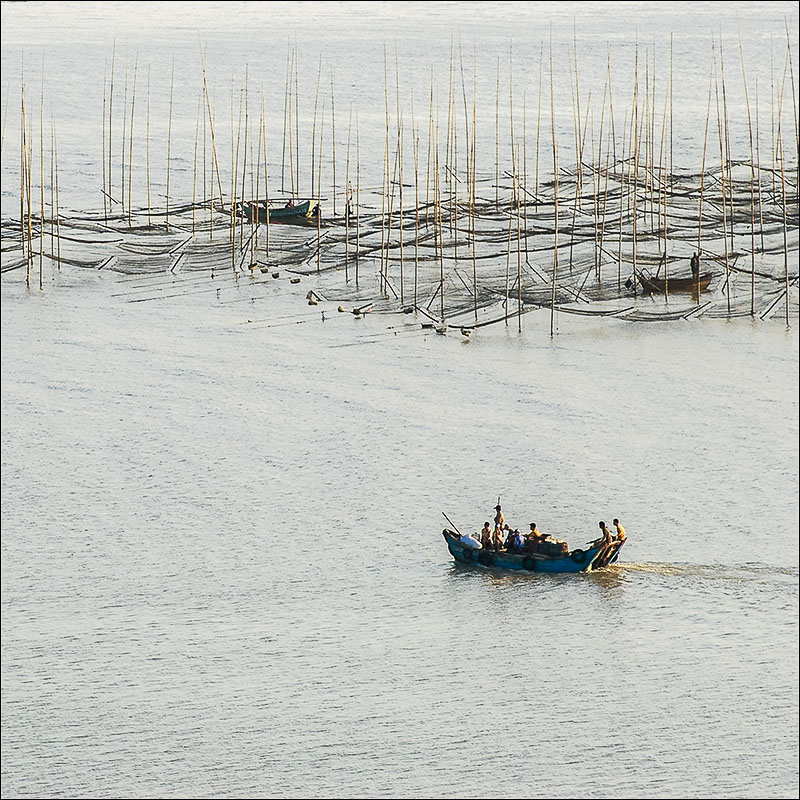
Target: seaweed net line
x,y
467,258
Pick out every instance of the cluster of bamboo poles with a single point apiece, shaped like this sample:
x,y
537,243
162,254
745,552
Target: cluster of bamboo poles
x,y
33,231
638,155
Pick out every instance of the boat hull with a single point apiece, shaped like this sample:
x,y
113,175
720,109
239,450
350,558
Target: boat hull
x,y
299,213
652,285
596,557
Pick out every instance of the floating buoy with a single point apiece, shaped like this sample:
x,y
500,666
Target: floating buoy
x,y
442,330
264,270
276,274
295,280
342,309
408,310
465,331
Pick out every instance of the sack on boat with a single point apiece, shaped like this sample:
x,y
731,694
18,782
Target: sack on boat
x,y
471,542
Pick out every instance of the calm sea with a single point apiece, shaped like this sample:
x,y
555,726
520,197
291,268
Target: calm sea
x,y
222,567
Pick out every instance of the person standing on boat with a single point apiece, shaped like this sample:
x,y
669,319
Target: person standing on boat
x,y
498,518
695,264
486,536
620,537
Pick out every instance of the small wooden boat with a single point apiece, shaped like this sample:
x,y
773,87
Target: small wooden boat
x,y
299,213
593,558
654,285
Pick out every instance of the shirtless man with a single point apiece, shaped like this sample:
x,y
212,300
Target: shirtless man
x,y
620,537
486,536
607,537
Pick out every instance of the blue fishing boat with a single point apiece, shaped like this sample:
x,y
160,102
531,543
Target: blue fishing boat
x,y
302,212
593,558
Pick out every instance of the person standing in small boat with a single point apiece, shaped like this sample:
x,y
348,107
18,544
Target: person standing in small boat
x,y
486,536
498,518
620,537
695,264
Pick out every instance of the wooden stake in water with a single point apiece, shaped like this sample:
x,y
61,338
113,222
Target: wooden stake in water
x,y
555,194
347,200
147,141
721,134
314,129
105,183
169,135
110,121
752,188
333,144
130,140
703,162
358,198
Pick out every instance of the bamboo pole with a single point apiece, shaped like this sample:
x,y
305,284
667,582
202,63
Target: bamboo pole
x,y
785,242
314,128
623,192
58,208
291,136
635,143
23,170
497,140
124,135
130,139
244,152
347,204
358,198
538,121
794,101
752,187
333,143
437,215
473,181
386,178
519,263
52,187
401,231
578,151
169,136
703,163
266,177
147,159
255,222
555,195
110,121
235,175
399,173
286,111
415,135
319,188
297,115
41,181
194,168
105,184
721,136
758,162
727,136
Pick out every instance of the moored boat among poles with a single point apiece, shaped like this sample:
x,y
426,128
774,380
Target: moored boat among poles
x,y
288,213
652,284
594,557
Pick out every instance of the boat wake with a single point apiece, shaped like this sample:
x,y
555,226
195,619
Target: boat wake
x,y
734,572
